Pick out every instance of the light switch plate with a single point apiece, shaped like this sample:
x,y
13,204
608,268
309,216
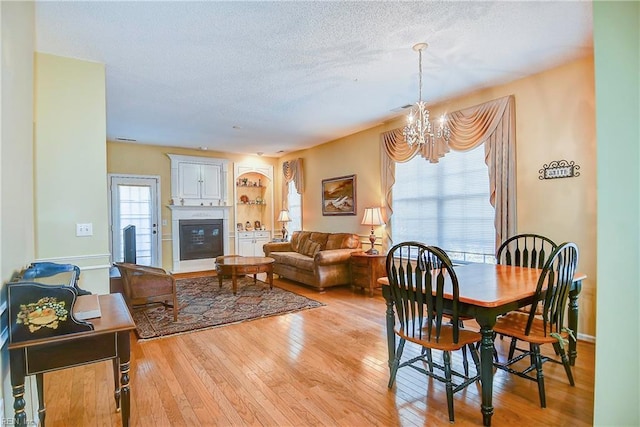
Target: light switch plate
x,y
83,230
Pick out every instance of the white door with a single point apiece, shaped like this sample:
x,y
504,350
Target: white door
x,y
134,201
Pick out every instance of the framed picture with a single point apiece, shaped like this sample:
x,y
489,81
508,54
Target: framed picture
x,y
339,195
239,227
257,225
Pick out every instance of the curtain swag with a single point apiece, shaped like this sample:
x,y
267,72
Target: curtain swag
x,y
491,124
292,171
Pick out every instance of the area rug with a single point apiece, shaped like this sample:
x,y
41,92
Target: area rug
x,y
203,304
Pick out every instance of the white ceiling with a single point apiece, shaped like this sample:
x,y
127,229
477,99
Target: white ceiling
x,y
273,77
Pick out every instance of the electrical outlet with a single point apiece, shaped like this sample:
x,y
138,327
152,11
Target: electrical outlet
x,y
83,230
164,222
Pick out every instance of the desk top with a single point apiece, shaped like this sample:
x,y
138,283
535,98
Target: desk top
x,y
493,285
115,318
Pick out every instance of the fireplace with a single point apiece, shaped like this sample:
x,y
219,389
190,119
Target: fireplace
x,y
199,234
200,238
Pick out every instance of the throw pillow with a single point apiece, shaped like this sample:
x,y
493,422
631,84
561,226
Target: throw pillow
x,y
311,248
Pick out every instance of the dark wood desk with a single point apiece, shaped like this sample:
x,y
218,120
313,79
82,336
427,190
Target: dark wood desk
x,y
108,341
487,291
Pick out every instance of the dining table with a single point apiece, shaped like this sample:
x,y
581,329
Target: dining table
x,y
487,291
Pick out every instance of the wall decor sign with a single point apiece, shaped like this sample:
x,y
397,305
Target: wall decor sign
x,y
339,195
559,169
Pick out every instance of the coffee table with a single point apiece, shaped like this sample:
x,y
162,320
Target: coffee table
x,y
235,265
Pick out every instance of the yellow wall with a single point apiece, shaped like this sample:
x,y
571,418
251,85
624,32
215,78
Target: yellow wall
x,y
555,116
617,71
70,166
16,168
138,159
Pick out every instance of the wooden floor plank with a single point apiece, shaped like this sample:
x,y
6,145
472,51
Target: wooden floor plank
x,y
324,366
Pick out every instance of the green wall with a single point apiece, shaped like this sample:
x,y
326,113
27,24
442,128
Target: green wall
x,y
617,71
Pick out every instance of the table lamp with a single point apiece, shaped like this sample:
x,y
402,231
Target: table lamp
x,y
284,218
372,216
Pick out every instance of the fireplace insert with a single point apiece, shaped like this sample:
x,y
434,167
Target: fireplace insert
x,y
200,238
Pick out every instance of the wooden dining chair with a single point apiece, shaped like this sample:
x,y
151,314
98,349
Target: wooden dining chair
x,y
524,250
547,327
417,277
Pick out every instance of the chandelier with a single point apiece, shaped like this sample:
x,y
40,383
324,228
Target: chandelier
x,y
418,129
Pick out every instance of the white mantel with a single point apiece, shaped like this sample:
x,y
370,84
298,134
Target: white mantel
x,y
196,212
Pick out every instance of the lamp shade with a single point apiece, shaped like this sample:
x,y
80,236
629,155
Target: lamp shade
x,y
284,216
372,216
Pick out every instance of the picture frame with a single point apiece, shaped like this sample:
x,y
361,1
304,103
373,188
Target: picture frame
x,y
257,225
239,226
339,196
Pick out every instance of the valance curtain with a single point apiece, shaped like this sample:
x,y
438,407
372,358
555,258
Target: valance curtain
x,y
491,124
292,171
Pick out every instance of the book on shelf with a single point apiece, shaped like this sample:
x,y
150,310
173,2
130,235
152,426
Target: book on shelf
x,y
86,307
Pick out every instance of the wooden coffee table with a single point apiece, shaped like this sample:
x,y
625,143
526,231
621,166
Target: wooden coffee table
x,y
235,265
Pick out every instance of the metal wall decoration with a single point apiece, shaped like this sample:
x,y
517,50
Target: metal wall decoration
x,y
559,169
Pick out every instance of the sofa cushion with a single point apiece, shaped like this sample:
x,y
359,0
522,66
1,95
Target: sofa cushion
x,y
293,259
320,238
342,241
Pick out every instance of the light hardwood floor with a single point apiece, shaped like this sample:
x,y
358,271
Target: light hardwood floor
x,y
325,366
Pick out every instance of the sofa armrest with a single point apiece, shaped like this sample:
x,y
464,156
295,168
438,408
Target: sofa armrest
x,y
334,256
276,247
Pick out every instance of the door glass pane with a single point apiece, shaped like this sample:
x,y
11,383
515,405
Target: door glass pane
x,y
135,209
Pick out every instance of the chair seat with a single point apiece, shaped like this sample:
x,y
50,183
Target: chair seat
x,y
445,343
514,324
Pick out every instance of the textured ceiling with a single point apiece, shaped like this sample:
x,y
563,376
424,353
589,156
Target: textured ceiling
x,y
274,77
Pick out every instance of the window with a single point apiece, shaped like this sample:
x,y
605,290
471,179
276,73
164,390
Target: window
x,y
446,204
295,209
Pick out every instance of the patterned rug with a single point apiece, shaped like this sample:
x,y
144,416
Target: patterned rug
x,y
204,305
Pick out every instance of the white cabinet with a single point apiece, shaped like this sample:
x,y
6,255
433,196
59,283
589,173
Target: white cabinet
x,y
250,242
198,181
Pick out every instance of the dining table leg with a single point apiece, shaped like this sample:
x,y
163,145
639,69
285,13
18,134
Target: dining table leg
x,y
486,367
391,336
573,320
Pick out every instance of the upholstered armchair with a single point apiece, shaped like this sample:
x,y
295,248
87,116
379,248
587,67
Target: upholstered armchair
x,y
144,285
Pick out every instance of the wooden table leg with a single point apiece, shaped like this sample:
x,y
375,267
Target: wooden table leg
x,y
486,367
391,336
116,380
18,368
124,359
270,277
573,320
234,280
42,410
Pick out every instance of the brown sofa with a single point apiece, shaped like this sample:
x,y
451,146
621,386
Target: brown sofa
x,y
316,259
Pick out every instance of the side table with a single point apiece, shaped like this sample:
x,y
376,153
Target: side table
x,y
366,270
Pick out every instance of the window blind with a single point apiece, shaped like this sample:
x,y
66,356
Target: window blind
x,y
446,204
295,209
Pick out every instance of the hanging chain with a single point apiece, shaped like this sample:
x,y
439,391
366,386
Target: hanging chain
x,y
420,74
